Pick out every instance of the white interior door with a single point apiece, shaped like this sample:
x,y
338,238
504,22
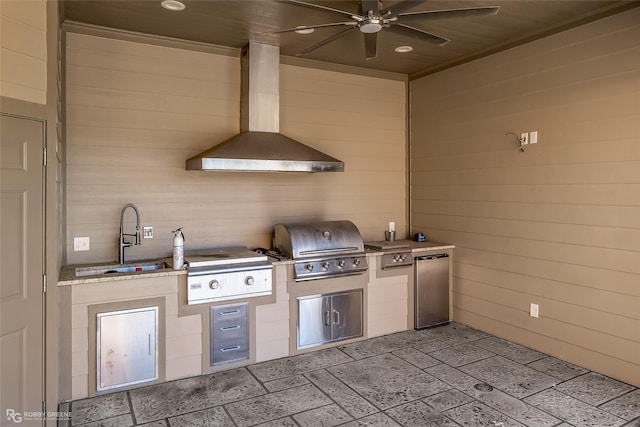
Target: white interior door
x,y
21,268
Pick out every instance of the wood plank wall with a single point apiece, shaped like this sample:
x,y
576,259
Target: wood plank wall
x,y
558,224
23,50
136,112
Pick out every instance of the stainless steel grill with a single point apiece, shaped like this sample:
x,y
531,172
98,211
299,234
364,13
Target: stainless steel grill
x,y
322,249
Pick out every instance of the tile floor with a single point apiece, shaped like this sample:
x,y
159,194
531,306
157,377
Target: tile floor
x,y
447,376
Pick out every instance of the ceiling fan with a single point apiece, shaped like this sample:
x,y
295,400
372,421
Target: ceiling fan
x,y
373,18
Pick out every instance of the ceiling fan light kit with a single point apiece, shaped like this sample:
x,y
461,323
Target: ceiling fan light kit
x,y
373,19
173,5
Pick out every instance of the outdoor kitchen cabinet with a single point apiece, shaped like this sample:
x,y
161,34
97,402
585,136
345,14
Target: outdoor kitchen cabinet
x,y
127,347
329,317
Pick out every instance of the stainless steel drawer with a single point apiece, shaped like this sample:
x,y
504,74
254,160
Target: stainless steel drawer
x,y
229,328
228,312
229,350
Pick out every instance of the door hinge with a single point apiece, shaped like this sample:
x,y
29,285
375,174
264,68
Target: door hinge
x,y
44,283
44,156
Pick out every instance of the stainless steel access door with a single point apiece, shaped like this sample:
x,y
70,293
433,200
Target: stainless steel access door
x,y
329,317
431,290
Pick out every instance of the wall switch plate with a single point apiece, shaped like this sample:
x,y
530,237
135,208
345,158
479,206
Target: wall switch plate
x,y
524,138
81,243
147,232
533,310
533,137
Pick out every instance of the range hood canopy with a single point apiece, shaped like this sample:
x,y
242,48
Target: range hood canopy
x,y
260,147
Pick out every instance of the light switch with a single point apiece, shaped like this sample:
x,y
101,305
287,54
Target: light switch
x,y
533,310
533,137
81,243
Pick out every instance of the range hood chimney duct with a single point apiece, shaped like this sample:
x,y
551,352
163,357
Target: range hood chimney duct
x,y
260,147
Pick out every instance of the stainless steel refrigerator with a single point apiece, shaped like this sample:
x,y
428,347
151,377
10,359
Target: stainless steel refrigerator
x,y
431,290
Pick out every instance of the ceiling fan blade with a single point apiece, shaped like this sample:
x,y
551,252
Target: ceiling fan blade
x,y
370,6
370,45
417,34
432,15
324,42
305,27
401,7
317,6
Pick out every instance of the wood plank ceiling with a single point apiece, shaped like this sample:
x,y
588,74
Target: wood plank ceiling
x,y
233,23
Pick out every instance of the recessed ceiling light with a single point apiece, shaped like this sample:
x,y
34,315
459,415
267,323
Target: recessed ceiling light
x,y
403,49
173,5
304,30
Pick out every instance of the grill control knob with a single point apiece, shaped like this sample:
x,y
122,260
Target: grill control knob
x,y
308,267
340,263
249,280
325,265
214,284
356,262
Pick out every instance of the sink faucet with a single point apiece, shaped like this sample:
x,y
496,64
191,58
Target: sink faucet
x,y
123,243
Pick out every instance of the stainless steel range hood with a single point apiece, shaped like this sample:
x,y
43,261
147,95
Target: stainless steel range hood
x,y
260,147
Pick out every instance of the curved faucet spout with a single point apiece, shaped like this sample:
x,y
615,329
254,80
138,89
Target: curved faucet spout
x,y
122,243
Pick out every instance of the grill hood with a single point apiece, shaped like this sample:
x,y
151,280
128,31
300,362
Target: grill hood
x,y
260,147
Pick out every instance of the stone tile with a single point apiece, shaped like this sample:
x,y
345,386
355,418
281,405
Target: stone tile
x,y
511,377
282,422
557,368
284,383
453,377
455,333
214,417
351,401
383,344
419,414
326,416
193,394
159,423
634,423
462,354
476,414
387,381
512,351
495,399
572,410
430,344
416,357
447,400
277,405
296,365
593,388
99,408
117,421
626,406
376,420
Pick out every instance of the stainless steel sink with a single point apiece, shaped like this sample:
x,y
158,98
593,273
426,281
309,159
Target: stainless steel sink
x,y
138,267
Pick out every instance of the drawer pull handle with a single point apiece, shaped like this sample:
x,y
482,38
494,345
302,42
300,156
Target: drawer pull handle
x,y
228,328
235,347
226,313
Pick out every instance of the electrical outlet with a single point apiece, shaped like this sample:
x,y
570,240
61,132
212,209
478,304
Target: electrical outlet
x,y
524,138
147,232
533,137
533,310
81,243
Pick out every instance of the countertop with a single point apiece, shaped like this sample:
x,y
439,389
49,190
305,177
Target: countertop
x,y
68,275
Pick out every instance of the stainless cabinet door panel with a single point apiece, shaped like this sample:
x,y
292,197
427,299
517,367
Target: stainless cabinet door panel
x,y
314,320
346,315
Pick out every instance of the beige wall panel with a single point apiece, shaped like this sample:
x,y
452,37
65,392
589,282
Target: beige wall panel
x,y
134,119
272,331
79,363
179,347
558,224
23,50
184,367
133,289
537,287
272,350
183,326
79,339
79,387
571,275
